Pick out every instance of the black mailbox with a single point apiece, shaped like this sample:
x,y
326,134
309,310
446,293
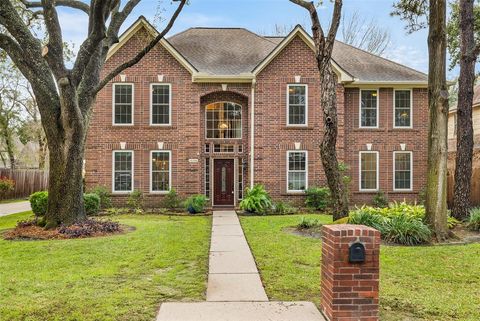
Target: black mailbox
x,y
356,253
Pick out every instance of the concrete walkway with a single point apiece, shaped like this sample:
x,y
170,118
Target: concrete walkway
x,y
235,291
12,208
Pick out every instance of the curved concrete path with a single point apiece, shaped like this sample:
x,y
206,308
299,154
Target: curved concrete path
x,y
12,208
235,291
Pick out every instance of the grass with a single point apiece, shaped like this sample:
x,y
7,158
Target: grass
x,y
10,201
416,283
122,277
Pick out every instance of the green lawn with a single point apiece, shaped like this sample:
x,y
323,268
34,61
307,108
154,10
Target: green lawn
x,y
17,200
122,277
416,283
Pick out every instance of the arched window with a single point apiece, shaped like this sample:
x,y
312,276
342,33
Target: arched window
x,y
224,120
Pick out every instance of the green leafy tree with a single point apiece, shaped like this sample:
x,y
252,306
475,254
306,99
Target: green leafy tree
x,y
65,95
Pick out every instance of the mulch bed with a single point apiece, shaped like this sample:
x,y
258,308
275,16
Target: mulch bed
x,y
30,230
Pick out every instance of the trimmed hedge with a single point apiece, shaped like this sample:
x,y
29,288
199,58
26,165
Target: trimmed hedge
x,y
39,203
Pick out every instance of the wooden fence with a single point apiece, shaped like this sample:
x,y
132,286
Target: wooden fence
x,y
475,191
27,181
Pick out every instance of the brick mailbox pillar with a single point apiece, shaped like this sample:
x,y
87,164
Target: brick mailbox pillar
x,y
350,289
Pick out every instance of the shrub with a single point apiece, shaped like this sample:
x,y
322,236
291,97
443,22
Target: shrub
x,y
196,204
6,185
39,202
380,200
317,198
308,222
283,208
364,216
474,220
407,230
90,228
452,222
171,200
92,203
256,200
135,201
104,194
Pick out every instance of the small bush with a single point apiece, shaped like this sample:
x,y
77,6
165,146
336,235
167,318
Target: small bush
x,y
171,200
90,228
6,185
380,200
283,208
308,222
452,222
474,219
135,201
92,203
256,200
407,230
364,216
317,198
39,202
196,204
104,194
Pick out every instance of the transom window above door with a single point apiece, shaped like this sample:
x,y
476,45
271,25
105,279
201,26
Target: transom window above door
x,y
223,120
297,105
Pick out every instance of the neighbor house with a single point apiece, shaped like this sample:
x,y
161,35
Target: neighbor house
x,y
215,110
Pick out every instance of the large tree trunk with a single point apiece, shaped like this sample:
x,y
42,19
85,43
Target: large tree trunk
x,y
436,198
328,146
65,201
42,151
466,80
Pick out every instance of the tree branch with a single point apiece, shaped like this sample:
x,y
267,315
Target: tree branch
x,y
60,3
54,55
142,53
337,13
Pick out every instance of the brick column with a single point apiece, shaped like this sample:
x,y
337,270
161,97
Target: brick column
x,y
350,290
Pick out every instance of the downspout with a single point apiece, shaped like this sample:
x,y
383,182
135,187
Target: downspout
x,y
252,133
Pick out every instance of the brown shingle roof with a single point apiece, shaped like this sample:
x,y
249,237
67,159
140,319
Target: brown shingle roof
x,y
231,51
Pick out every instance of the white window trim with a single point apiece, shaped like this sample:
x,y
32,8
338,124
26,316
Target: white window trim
x,y
169,171
411,108
297,191
169,104
411,171
288,105
113,171
360,109
113,103
223,139
360,171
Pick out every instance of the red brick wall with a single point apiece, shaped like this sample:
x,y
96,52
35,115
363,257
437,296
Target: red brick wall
x,y
386,140
186,136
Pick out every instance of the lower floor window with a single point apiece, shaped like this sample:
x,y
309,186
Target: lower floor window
x,y
122,171
402,163
160,171
368,171
296,171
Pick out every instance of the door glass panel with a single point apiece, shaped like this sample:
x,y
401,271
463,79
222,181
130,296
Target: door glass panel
x,y
224,179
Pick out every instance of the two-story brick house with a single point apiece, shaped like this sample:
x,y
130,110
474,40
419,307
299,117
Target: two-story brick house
x,y
212,111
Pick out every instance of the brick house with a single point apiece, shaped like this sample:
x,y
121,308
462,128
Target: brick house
x,y
212,111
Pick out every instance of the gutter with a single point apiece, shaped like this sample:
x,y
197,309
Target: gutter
x,y
252,134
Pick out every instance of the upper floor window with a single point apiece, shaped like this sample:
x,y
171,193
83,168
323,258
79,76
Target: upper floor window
x,y
160,171
369,108
297,105
403,108
402,166
123,171
224,120
123,104
296,171
161,104
368,171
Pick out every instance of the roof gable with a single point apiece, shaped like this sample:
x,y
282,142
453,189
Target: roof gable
x,y
142,23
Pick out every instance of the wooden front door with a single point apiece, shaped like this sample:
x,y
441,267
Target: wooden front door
x,y
224,182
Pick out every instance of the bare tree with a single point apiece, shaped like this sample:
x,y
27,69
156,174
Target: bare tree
x,y
432,13
65,96
328,85
363,34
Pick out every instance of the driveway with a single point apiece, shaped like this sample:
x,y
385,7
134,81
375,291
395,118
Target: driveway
x,y
12,208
